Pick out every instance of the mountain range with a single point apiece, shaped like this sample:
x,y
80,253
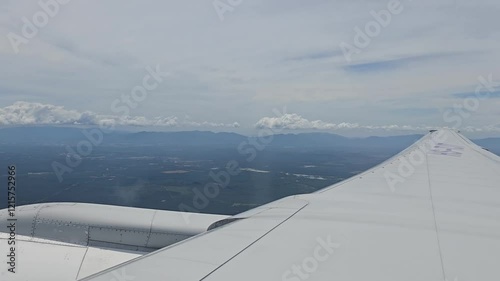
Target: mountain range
x,y
71,136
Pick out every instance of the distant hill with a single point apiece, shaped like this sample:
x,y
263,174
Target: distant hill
x,y
492,144
39,135
65,135
71,136
190,138
333,140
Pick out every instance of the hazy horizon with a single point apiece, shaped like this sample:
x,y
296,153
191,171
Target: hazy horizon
x,y
348,133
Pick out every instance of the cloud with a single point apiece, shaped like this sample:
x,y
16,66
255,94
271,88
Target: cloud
x,y
486,129
26,113
316,55
490,95
23,113
396,63
296,122
292,121
212,124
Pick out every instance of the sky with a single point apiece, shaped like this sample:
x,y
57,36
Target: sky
x,y
362,67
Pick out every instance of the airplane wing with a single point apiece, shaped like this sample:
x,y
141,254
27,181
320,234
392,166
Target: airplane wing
x,y
430,213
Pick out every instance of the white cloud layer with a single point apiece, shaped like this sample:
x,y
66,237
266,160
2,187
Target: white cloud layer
x,y
296,122
292,121
26,113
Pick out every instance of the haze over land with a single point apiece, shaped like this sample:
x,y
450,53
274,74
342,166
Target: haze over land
x,y
162,170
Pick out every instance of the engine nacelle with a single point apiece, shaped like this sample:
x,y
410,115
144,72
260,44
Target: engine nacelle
x,y
107,226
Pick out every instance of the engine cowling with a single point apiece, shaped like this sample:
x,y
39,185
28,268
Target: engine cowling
x,y
107,226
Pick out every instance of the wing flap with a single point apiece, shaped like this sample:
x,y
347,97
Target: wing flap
x,y
39,259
